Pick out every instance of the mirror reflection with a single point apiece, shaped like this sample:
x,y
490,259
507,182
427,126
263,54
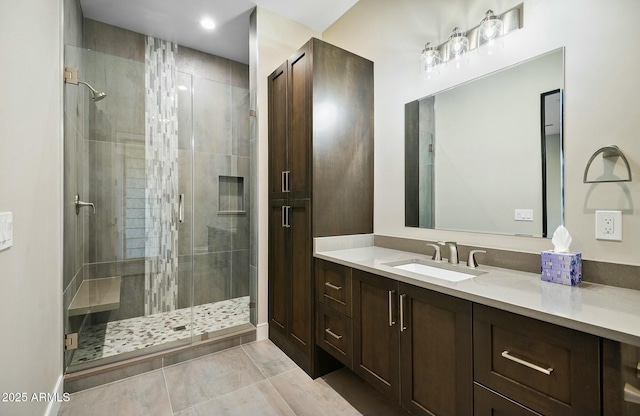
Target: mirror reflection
x,y
486,156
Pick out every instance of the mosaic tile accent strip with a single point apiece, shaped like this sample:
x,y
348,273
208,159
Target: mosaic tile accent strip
x,y
161,166
113,338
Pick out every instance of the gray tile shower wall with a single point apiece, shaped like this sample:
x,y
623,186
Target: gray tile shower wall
x,y
72,23
113,40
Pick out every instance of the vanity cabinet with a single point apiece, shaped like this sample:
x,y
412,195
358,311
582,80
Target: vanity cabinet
x,y
413,344
320,132
547,368
334,327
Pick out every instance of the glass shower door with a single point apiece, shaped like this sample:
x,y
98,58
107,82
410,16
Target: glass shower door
x,y
124,293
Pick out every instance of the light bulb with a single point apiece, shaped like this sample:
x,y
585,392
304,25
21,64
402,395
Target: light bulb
x,y
489,34
429,61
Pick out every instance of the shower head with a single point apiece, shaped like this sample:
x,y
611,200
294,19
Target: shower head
x,y
95,95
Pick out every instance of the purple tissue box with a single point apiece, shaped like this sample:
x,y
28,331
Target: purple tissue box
x,y
565,268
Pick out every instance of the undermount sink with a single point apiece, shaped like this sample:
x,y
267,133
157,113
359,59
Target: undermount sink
x,y
441,271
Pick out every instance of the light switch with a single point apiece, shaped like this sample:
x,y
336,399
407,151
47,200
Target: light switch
x,y
6,230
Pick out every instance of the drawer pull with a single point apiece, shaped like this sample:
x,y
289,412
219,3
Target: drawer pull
x,y
332,286
546,371
631,394
330,332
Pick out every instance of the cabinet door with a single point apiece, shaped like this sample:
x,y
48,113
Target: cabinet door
x,y
620,379
278,127
299,139
279,268
436,352
375,331
300,259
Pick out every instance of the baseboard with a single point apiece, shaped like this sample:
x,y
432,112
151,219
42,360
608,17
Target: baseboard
x,y
57,397
262,331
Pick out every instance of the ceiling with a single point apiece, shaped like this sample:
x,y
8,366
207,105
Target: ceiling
x,y
178,20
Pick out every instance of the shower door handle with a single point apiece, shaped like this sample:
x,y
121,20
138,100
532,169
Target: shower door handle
x,y
181,208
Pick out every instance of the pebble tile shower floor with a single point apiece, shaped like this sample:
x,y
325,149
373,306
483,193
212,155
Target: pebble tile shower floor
x,y
127,335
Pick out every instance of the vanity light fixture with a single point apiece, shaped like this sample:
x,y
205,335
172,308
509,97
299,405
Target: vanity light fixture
x,y
458,47
430,61
490,34
487,37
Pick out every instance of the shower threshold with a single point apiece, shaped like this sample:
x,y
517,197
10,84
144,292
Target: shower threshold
x,y
104,343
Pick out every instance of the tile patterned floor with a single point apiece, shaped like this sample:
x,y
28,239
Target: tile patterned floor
x,y
118,337
253,379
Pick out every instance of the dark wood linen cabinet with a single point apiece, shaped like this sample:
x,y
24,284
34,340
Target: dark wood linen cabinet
x,y
320,181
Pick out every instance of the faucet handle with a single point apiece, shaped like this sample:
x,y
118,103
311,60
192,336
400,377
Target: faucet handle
x,y
436,254
471,261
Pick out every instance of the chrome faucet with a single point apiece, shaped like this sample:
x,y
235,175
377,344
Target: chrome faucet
x,y
471,261
453,251
436,254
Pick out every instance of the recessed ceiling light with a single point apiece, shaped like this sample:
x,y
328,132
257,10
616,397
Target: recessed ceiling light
x,y
182,88
207,23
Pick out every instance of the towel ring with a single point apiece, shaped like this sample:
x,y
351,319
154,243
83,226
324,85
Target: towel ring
x,y
609,152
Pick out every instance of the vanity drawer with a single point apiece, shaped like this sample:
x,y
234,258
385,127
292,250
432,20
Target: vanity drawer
x,y
334,285
334,334
490,403
548,368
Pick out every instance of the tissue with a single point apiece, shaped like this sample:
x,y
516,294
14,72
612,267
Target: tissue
x,y
560,265
561,240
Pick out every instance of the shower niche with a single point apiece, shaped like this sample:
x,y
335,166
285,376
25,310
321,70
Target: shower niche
x,y
231,195
170,121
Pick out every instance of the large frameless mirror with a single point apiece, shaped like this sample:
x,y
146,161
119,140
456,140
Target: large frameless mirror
x,y
486,156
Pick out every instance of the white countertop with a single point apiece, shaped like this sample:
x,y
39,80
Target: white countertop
x,y
605,311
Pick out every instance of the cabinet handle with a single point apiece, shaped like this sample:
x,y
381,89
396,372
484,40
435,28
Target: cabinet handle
x,y
391,321
402,327
286,210
508,356
288,216
631,394
284,180
332,286
181,208
330,332
288,181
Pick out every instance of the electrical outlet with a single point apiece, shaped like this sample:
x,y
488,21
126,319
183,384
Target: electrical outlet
x,y
523,215
609,225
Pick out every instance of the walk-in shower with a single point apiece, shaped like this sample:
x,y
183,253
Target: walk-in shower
x,y
167,161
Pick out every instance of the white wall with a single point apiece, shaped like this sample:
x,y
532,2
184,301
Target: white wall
x,y
31,188
278,38
601,94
